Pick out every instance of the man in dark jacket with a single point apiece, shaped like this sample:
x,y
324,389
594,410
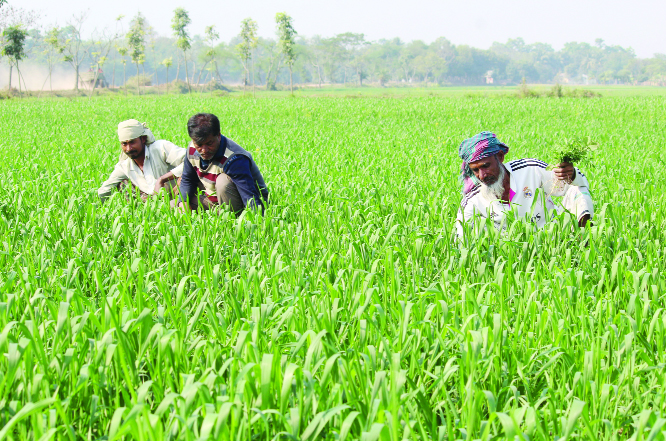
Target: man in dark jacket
x,y
223,171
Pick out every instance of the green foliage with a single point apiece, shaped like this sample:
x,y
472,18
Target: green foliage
x,y
573,150
181,20
346,312
286,37
14,43
136,38
248,36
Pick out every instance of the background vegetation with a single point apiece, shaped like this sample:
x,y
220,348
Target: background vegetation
x,y
132,48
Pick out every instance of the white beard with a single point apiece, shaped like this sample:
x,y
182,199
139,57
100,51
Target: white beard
x,y
494,191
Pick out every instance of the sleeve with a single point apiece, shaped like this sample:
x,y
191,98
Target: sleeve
x,y
108,186
238,169
460,232
464,222
174,157
188,183
555,187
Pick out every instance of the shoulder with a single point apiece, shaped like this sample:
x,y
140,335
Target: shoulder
x,y
526,163
192,152
471,197
164,144
236,161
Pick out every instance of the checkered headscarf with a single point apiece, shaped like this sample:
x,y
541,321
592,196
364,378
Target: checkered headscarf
x,y
478,147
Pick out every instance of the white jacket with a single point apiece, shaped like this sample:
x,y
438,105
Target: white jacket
x,y
161,157
527,176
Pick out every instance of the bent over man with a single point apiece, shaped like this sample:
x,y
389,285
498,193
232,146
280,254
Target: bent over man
x,y
144,163
491,188
220,168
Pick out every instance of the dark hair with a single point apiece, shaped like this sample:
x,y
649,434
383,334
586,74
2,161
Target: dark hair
x,y
201,126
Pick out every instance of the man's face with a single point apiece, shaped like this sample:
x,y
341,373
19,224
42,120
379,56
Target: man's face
x,y
208,147
487,170
134,147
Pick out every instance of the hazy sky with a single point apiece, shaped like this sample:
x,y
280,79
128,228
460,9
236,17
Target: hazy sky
x,y
637,23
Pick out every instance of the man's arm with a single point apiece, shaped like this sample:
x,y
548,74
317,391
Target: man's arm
x,y
238,169
117,176
465,219
188,184
162,180
555,182
175,157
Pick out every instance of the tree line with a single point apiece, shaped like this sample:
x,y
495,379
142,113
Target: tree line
x,y
133,54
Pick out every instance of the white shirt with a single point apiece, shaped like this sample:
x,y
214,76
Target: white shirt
x,y
526,176
161,157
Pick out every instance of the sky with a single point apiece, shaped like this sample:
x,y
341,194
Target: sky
x,y
479,23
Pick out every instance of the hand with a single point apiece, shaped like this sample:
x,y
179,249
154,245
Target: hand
x,y
565,172
158,186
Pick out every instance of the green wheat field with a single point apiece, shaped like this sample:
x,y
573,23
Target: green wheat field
x,y
347,312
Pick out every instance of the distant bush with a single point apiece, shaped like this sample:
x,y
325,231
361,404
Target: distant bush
x,y
581,93
526,92
144,80
215,85
557,91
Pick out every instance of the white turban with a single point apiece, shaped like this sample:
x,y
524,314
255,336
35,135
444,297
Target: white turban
x,y
132,129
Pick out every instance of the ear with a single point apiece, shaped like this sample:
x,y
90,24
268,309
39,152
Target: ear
x,y
500,156
144,139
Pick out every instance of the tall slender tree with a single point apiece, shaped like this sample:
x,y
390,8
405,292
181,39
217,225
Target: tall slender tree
x,y
287,42
14,49
245,48
136,42
119,24
73,45
54,49
167,62
122,51
100,46
209,53
181,19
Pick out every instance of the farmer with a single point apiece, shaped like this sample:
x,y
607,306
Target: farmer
x,y
222,170
492,187
144,163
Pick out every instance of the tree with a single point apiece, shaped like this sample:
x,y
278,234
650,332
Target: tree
x,y
352,44
152,34
167,62
98,52
136,42
211,36
73,50
53,50
248,42
315,55
14,49
180,21
119,23
11,16
286,38
271,61
122,51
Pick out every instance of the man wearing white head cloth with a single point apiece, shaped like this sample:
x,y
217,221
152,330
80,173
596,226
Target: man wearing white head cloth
x,y
146,163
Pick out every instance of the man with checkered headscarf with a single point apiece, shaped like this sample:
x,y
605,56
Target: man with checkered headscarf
x,y
491,188
145,164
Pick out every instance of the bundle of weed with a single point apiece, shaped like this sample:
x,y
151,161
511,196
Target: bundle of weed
x,y
572,150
